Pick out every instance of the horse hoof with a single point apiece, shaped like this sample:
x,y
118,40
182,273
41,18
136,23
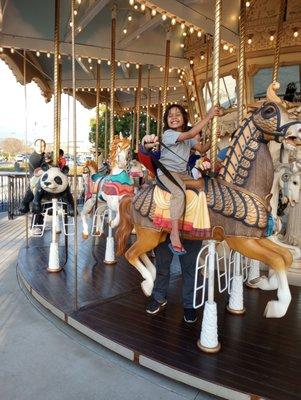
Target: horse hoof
x,y
85,236
275,309
147,288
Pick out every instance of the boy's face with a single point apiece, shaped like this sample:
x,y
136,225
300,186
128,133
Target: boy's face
x,y
40,146
175,118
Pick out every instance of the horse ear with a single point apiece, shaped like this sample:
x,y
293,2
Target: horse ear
x,y
130,138
120,135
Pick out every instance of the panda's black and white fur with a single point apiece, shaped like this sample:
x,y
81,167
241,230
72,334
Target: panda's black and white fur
x,y
53,184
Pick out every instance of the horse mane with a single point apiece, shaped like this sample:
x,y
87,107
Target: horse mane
x,y
92,164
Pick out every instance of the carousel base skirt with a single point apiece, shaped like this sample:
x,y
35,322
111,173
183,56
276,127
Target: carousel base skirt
x,y
259,358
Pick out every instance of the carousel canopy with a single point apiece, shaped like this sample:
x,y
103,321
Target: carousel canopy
x,y
141,31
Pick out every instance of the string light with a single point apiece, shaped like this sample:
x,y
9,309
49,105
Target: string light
x,y
173,21
226,47
182,45
182,25
89,60
109,62
164,16
99,61
189,83
12,50
136,6
125,31
295,32
127,65
191,62
130,18
199,33
174,88
38,54
248,3
90,67
1,49
79,1
191,29
79,29
137,66
142,6
75,12
118,63
161,69
272,36
192,98
154,12
132,2
79,58
249,41
60,56
231,49
184,33
48,55
202,56
179,71
170,69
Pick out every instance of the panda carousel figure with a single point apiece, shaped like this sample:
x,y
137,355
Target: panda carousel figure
x,y
54,195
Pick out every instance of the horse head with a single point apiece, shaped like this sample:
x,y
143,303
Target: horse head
x,y
135,170
120,152
278,119
290,182
90,167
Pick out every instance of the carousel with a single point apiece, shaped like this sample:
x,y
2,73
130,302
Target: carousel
x,y
96,268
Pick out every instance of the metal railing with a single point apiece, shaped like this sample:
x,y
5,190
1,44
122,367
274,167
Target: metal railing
x,y
13,188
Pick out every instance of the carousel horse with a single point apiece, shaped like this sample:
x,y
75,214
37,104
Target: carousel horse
x,y
136,173
109,189
237,200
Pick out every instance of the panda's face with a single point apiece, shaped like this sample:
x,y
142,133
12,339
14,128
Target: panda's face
x,y
54,180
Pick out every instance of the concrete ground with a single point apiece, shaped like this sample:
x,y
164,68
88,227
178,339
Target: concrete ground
x,y
42,358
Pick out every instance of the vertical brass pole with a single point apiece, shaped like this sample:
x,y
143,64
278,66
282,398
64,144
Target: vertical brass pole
x,y
113,72
215,79
75,243
282,11
56,139
190,110
68,125
159,118
106,131
59,104
241,62
138,104
26,160
166,74
148,102
198,100
97,112
207,71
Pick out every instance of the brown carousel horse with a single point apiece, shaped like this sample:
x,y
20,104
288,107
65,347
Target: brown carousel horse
x,y
238,200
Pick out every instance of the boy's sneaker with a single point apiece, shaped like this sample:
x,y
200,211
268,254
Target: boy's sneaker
x,y
154,306
190,315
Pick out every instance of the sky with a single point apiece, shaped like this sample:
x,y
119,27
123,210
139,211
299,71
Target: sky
x,y
39,113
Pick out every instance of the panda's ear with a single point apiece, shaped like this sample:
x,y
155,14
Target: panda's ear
x,y
65,170
45,167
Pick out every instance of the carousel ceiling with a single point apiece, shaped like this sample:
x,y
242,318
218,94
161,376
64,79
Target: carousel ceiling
x,y
141,31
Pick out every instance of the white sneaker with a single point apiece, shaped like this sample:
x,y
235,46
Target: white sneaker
x,y
36,231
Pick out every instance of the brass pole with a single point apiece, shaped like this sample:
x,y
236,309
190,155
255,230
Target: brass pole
x,y
207,72
241,62
215,79
190,110
138,104
113,72
148,102
75,243
166,74
282,12
159,115
97,112
57,94
106,131
198,100
59,105
26,159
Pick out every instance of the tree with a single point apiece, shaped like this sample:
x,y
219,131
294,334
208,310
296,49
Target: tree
x,y
13,146
122,124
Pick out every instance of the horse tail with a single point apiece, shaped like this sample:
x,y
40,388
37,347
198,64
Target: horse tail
x,y
125,226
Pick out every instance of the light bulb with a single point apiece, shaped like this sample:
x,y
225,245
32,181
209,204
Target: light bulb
x,y
142,7
161,69
182,25
295,32
109,62
48,55
89,60
137,66
127,65
184,33
191,29
248,3
191,62
132,2
226,47
99,61
182,45
118,63
130,18
199,33
164,16
154,12
173,21
125,31
38,54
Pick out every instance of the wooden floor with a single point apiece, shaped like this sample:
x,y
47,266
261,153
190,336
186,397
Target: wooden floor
x,y
260,358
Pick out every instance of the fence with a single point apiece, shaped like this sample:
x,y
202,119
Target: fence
x,y
13,188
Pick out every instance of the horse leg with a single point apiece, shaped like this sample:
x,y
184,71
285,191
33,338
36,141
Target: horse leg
x,y
85,211
100,217
149,265
253,248
147,239
271,283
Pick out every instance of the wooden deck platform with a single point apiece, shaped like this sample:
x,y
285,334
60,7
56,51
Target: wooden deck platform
x,y
260,358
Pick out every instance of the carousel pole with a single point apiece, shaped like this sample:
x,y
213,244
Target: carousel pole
x,y
113,72
138,105
159,114
26,168
110,253
75,302
54,262
208,341
282,11
97,112
148,102
166,75
106,131
236,301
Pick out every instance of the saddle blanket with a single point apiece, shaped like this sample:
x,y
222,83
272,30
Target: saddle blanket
x,y
196,221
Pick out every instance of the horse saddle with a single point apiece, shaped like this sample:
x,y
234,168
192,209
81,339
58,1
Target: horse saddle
x,y
154,203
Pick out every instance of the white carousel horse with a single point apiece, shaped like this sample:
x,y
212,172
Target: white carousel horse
x,y
106,190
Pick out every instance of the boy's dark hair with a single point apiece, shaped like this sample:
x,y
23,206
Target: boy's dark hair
x,y
183,112
61,152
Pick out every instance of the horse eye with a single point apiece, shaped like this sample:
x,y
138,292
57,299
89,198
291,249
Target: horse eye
x,y
268,112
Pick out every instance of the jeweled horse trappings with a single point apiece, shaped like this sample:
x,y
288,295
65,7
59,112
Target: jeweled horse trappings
x,y
238,201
